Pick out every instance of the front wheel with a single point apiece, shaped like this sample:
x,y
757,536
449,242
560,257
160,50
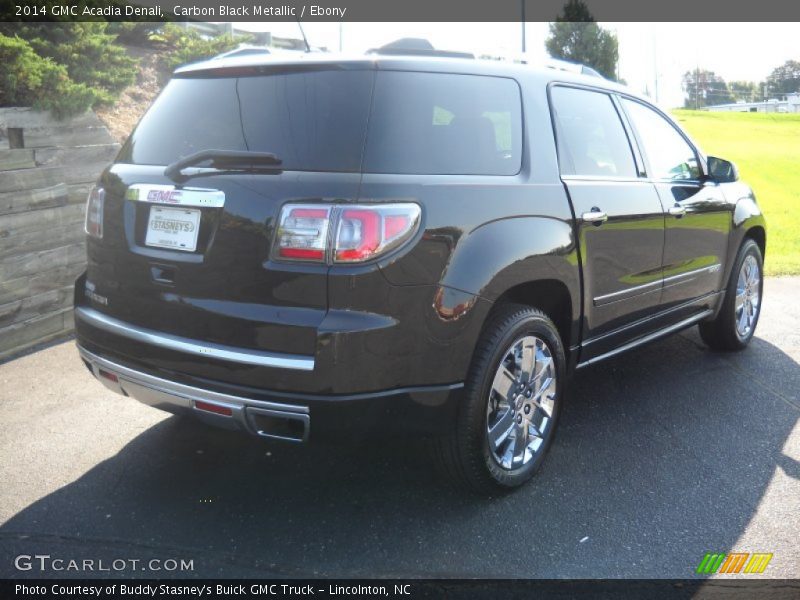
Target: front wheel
x,y
512,402
733,327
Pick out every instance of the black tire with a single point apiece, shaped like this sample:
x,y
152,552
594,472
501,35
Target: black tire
x,y
464,454
721,333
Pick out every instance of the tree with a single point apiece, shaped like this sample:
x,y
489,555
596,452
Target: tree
x,y
747,91
784,79
705,88
576,37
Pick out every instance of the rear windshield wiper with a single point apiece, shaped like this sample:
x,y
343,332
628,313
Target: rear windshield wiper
x,y
225,159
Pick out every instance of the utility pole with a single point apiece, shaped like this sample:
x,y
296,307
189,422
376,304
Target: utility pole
x,y
655,63
523,25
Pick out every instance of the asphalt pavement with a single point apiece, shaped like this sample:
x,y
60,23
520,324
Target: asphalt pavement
x,y
662,455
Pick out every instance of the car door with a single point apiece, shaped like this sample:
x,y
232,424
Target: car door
x,y
619,218
698,218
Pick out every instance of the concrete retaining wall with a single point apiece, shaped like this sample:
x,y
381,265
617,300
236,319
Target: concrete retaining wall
x,y
46,170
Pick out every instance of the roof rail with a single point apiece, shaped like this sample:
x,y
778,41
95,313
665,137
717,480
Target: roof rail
x,y
416,47
553,63
572,67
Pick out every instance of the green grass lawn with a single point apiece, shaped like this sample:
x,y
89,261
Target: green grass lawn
x,y
766,148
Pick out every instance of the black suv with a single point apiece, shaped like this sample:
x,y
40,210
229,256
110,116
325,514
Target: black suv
x,y
312,247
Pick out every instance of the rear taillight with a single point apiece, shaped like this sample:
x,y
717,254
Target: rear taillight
x,y
303,232
94,212
344,233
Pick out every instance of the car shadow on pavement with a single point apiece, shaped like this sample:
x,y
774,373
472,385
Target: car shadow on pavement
x,y
663,454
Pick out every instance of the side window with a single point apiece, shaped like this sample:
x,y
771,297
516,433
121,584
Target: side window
x,y
591,138
501,122
668,153
444,124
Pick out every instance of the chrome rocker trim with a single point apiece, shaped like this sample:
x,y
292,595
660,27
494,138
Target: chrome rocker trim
x,y
189,346
245,413
648,338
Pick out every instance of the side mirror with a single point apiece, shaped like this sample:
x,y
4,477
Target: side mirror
x,y
721,170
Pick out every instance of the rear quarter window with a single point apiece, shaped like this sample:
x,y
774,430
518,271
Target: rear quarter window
x,y
444,124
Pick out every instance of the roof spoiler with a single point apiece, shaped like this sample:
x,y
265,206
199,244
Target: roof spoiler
x,y
416,47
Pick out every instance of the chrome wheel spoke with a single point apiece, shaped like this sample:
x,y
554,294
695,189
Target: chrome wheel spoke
x,y
546,400
544,364
540,420
499,432
742,325
504,381
752,270
538,356
528,363
740,298
520,441
506,459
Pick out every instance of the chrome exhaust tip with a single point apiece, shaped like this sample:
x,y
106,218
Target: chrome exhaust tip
x,y
278,425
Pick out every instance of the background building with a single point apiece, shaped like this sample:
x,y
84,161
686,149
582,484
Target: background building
x,y
790,104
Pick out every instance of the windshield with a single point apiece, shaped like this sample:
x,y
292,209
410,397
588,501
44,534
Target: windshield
x,y
314,121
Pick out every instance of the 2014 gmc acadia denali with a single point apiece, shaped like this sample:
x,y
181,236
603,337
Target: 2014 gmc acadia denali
x,y
313,246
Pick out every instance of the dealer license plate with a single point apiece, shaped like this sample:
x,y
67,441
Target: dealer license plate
x,y
175,228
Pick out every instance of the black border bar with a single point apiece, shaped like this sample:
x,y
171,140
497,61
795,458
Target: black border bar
x,y
401,589
398,10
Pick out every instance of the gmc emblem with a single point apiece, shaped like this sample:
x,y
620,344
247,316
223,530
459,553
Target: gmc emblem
x,y
166,196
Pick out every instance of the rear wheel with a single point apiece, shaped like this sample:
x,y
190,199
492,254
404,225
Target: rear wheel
x,y
512,402
733,327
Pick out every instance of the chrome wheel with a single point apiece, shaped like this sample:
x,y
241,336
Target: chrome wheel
x,y
748,296
521,402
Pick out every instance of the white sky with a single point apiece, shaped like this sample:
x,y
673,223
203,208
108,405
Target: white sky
x,y
747,51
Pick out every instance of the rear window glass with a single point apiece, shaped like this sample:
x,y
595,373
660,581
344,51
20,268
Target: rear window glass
x,y
419,123
312,120
442,124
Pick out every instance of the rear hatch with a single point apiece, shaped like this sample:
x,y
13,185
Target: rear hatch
x,y
189,255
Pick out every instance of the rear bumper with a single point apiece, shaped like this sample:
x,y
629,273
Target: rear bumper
x,y
279,415
355,349
194,348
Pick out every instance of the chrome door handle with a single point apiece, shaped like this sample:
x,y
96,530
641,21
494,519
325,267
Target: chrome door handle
x,y
677,211
595,216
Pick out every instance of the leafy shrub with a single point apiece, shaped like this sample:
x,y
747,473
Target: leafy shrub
x,y
187,45
86,50
133,32
27,79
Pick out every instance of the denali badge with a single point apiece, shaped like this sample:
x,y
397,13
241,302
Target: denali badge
x,y
92,295
167,194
